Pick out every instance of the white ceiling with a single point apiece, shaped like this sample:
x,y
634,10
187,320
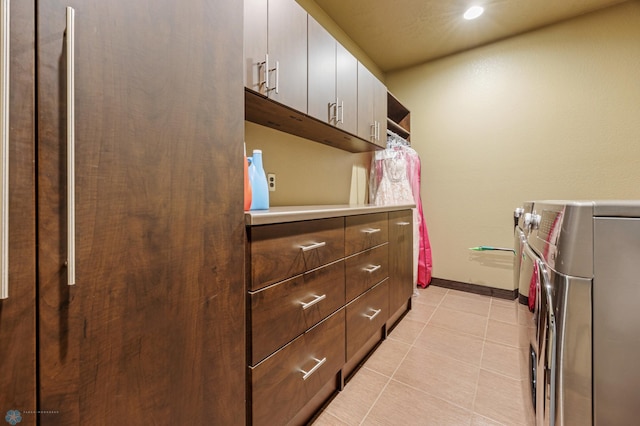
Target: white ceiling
x,y
397,34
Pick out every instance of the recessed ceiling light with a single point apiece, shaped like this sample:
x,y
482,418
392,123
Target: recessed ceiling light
x,y
473,12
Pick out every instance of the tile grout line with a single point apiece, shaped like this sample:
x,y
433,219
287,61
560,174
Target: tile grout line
x,y
401,361
484,342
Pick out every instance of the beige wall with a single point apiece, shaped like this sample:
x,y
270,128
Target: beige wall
x,y
330,25
307,172
552,114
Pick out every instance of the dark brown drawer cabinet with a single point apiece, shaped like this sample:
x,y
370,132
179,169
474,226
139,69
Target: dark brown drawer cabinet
x,y
318,302
365,231
283,311
365,317
284,250
283,383
366,269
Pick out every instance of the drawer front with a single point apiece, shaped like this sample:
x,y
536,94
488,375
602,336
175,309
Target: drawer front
x,y
366,269
283,311
365,316
365,231
284,250
283,383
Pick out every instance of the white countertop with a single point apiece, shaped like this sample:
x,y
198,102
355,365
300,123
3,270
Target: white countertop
x,y
297,213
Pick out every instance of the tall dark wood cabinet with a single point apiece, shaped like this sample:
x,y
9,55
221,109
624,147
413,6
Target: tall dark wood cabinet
x,y
400,264
18,311
153,331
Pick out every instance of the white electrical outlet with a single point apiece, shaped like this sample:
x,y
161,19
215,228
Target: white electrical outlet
x,y
271,181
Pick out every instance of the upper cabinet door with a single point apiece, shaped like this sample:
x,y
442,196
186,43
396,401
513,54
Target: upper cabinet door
x,y
255,45
366,124
380,112
322,74
346,89
287,49
372,107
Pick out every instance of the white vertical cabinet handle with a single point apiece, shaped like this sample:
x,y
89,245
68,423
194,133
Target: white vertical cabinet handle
x,y
277,77
4,124
342,111
334,117
265,66
71,172
277,70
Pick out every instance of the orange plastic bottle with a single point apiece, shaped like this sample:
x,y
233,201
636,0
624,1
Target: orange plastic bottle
x,y
247,184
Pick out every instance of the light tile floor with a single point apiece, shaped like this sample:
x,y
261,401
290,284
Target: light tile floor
x,y
453,360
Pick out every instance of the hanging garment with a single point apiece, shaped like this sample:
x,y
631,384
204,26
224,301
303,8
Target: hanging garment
x,y
394,187
395,179
423,278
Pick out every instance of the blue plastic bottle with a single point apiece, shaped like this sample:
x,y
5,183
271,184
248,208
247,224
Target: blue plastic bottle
x,y
258,179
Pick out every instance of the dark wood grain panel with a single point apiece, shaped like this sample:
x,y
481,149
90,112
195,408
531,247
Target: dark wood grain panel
x,y
18,312
400,258
365,269
277,312
279,391
365,231
359,324
153,332
276,250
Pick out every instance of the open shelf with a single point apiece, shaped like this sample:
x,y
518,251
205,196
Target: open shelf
x,y
398,117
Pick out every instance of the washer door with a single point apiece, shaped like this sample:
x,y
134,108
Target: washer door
x,y
529,324
548,346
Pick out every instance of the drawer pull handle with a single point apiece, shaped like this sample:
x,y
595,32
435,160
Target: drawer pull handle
x,y
403,223
319,363
313,246
314,301
371,230
371,269
375,314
